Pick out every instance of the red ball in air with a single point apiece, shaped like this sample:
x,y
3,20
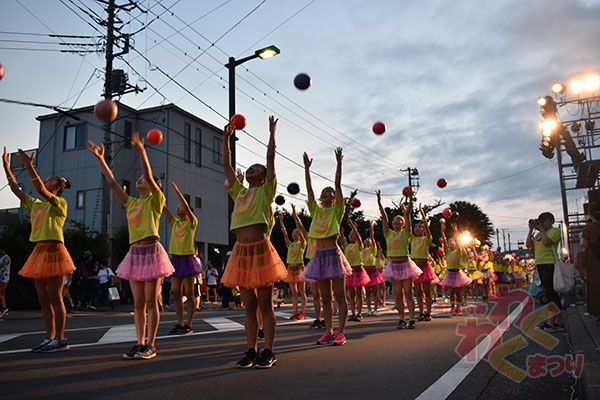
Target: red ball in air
x,y
355,203
106,110
238,121
378,128
442,183
1,71
154,136
447,213
407,191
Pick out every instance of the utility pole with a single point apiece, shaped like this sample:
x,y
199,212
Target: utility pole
x,y
509,245
504,238
497,238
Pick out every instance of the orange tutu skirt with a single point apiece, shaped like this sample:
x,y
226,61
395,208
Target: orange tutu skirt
x,y
253,265
293,274
48,260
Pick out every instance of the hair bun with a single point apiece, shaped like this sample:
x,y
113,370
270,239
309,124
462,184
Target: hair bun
x,y
66,182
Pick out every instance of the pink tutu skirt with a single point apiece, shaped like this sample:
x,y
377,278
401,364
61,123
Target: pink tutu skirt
x,y
401,269
358,278
145,262
455,279
428,274
326,264
375,276
488,274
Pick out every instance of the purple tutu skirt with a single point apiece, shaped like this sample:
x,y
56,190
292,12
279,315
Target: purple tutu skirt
x,y
185,266
375,277
517,276
145,262
401,269
455,279
428,274
358,278
326,264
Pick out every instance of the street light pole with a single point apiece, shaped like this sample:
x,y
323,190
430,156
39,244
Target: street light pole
x,y
267,52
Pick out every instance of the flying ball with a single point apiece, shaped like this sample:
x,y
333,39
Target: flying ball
x,y
154,136
442,183
407,191
106,110
441,251
279,200
1,71
455,215
442,221
355,203
238,121
293,188
378,128
447,213
302,81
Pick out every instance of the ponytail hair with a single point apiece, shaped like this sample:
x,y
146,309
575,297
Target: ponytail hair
x,y
64,184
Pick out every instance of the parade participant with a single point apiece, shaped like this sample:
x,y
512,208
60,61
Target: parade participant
x,y
254,265
380,265
359,278
369,259
182,251
49,261
295,263
328,265
454,279
146,262
474,273
4,278
401,269
420,241
487,269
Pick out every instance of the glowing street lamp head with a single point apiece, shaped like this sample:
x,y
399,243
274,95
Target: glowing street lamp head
x,y
558,88
267,52
541,101
592,83
465,238
548,126
576,87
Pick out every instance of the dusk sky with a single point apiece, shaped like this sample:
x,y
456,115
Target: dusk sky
x,y
455,82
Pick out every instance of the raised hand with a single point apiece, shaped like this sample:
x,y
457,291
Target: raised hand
x,y
338,154
307,161
136,142
293,207
173,184
273,124
6,159
96,150
378,194
229,129
25,159
240,175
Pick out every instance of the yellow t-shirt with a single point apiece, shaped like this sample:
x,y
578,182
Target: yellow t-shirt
x,y
368,256
454,260
380,262
182,236
472,265
253,205
310,248
353,253
47,221
419,247
397,243
143,215
546,254
326,220
295,253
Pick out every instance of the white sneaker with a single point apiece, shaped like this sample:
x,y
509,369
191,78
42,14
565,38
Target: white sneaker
x,y
375,313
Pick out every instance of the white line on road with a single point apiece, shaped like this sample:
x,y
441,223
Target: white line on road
x,y
119,334
223,324
447,383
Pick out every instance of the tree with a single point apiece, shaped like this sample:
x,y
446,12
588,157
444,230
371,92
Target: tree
x,y
471,218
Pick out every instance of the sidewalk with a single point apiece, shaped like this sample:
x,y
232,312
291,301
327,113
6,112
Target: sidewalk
x,y
584,335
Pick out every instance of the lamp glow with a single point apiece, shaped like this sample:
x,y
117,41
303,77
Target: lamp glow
x,y
558,88
592,83
465,238
541,101
267,52
576,87
548,126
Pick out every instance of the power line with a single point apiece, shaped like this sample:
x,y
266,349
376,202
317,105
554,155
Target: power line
x,y
49,35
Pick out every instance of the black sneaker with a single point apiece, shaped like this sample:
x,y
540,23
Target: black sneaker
x,y
546,327
130,355
55,346
248,360
145,352
358,317
422,316
177,330
352,318
266,359
559,327
44,343
427,317
186,330
261,334
412,324
401,324
316,324
322,324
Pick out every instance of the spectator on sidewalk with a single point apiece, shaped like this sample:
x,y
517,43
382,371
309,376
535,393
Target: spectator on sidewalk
x,y
106,278
87,270
212,276
66,293
588,259
4,278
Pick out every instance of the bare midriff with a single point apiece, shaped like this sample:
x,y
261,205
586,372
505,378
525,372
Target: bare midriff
x,y
401,258
148,240
250,233
327,243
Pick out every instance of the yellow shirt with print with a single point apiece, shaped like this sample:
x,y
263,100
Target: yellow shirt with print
x,y
455,260
419,247
310,248
546,254
182,236
295,253
368,256
143,215
47,221
252,206
326,220
353,253
397,243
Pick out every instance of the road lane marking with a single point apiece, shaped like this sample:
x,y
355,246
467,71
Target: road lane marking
x,y
223,324
119,334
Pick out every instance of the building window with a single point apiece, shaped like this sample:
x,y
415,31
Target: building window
x,y
80,199
187,198
74,137
187,143
198,147
127,128
217,150
198,202
126,186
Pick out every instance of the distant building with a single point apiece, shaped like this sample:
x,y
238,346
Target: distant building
x,y
190,154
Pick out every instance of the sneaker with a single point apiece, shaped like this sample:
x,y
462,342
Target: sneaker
x,y
375,313
322,324
301,315
458,311
266,359
145,352
316,324
412,324
339,339
130,355
44,343
427,317
559,327
177,329
326,338
55,346
421,317
186,330
352,318
546,327
248,360
294,316
401,324
358,317
261,334
4,312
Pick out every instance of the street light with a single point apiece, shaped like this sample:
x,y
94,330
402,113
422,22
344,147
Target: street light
x,y
264,53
